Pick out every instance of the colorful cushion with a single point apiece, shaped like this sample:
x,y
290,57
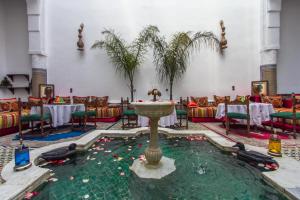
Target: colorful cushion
x,y
192,104
200,101
276,101
80,100
34,101
8,120
9,104
100,101
285,115
5,107
203,112
220,99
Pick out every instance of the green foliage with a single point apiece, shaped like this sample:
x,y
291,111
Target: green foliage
x,y
127,57
171,59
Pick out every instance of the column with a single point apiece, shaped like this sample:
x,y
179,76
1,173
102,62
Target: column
x,y
270,42
36,30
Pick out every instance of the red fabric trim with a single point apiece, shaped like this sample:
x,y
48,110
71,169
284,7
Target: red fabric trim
x,y
8,99
204,119
277,124
287,103
110,119
11,130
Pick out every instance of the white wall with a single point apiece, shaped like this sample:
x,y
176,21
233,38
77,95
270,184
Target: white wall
x,y
91,73
288,60
2,40
13,23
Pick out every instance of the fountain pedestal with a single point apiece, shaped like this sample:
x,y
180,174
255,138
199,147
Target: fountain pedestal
x,y
156,165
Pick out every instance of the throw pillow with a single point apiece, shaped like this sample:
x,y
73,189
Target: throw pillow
x,y
34,101
220,99
5,107
101,101
276,101
200,101
79,100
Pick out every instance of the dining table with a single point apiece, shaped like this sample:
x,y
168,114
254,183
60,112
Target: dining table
x,y
60,113
259,112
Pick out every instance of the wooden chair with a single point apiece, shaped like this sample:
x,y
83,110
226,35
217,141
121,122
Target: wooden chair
x,y
82,116
41,117
128,113
182,112
234,115
294,115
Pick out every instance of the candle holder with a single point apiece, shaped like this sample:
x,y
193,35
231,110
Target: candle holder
x,y
22,157
274,145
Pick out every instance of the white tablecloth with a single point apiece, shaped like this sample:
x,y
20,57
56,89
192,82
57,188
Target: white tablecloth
x,y
259,112
61,114
163,122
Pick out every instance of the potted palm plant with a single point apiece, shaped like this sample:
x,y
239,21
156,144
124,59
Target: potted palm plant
x,y
171,59
126,57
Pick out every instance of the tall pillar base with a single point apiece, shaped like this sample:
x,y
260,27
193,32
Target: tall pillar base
x,y
269,73
39,76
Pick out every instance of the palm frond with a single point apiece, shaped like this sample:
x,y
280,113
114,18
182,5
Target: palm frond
x,y
171,59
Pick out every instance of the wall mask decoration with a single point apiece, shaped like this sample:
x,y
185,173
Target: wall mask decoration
x,y
80,43
223,41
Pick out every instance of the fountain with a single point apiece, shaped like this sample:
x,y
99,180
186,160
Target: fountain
x,y
156,165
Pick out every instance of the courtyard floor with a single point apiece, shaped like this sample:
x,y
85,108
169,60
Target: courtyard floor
x,y
290,147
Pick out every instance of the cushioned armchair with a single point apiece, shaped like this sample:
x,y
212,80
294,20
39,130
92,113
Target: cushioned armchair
x,y
182,112
129,114
236,115
292,115
41,117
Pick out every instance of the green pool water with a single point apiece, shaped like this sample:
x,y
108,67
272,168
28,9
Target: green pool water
x,y
202,172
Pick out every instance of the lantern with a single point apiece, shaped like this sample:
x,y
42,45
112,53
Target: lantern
x,y
22,157
274,145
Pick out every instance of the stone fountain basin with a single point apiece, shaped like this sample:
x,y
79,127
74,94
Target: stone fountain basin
x,y
153,109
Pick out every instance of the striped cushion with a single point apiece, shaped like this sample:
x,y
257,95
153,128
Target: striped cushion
x,y
107,112
10,119
203,112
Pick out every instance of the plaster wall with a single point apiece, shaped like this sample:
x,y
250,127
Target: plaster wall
x,y
2,40
13,26
91,73
288,59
